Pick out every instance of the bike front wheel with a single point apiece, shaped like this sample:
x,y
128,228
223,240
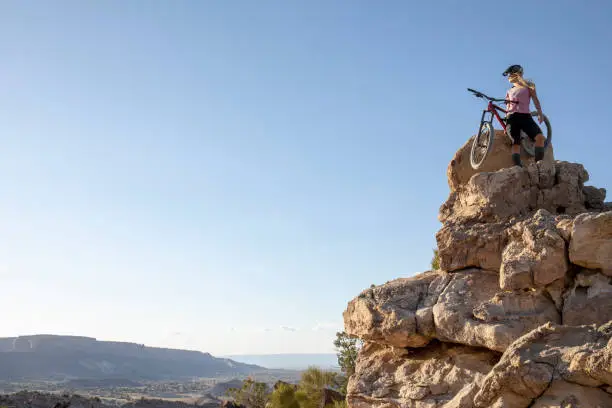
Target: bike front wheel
x,y
482,144
528,144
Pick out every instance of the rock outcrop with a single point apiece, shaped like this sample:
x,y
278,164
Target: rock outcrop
x,y
430,375
591,241
460,171
519,313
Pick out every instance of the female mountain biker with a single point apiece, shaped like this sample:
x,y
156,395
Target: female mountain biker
x,y
519,117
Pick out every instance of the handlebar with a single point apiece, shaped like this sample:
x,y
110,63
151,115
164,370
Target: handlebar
x,y
479,94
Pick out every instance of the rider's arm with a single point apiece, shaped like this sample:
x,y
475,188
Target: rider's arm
x,y
536,101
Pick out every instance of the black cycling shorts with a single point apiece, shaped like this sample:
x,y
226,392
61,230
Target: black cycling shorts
x,y
521,121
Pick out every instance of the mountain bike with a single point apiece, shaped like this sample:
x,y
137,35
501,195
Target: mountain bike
x,y
483,141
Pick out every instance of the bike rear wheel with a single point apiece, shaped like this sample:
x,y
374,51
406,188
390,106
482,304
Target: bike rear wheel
x,y
482,144
528,144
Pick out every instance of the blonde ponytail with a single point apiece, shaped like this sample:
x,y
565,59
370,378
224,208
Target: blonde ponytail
x,y
527,83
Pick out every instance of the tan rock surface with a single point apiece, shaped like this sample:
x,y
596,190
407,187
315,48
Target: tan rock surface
x,y
564,226
557,289
521,251
566,195
465,307
514,192
535,255
491,197
530,368
564,394
473,311
591,241
589,301
398,313
463,246
426,377
460,170
594,197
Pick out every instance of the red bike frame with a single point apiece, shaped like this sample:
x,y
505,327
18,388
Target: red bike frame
x,y
493,108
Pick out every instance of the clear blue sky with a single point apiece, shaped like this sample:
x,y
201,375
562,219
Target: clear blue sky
x,y
227,175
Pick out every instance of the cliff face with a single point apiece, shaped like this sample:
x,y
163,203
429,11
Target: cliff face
x,y
519,314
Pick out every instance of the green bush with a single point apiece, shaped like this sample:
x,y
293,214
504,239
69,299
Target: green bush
x,y
252,394
347,350
435,261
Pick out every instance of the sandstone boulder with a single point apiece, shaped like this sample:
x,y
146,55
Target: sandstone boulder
x,y
463,246
594,198
535,369
491,197
589,301
566,195
566,394
517,191
465,307
460,170
473,311
591,241
526,248
535,255
399,313
426,377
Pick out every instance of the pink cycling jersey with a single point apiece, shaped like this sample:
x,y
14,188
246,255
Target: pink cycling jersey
x,y
520,97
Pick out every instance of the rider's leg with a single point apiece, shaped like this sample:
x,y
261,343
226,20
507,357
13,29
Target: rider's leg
x,y
539,147
514,130
516,155
535,133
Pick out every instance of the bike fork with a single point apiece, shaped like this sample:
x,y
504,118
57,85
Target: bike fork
x,y
482,121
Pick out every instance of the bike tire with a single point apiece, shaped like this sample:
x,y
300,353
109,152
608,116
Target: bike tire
x,y
482,144
528,144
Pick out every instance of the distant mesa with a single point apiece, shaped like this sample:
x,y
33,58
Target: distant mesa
x,y
61,358
22,344
48,341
